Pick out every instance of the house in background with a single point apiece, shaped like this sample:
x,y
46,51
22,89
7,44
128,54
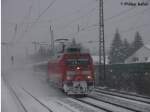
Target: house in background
x,y
96,60
140,56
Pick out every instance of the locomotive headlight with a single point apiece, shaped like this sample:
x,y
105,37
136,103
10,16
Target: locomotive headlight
x,y
68,78
78,68
89,77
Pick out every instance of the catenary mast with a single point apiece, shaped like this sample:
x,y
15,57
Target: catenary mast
x,y
101,43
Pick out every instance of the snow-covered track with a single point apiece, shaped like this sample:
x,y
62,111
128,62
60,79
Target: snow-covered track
x,y
124,95
91,104
117,105
15,94
81,106
45,106
19,100
123,92
106,106
125,103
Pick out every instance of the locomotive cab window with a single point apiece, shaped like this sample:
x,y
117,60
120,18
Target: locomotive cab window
x,y
73,50
74,62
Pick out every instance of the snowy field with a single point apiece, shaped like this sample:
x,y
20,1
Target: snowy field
x,y
20,75
23,79
26,90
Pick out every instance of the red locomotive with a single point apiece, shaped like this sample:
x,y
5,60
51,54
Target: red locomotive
x,y
71,69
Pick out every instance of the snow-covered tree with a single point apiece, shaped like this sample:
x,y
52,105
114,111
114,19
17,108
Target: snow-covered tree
x,y
126,49
137,43
116,51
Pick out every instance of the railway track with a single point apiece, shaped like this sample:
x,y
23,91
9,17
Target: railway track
x,y
94,105
94,101
127,101
132,97
15,94
72,106
137,97
118,101
21,102
112,106
79,106
24,106
115,104
98,101
106,106
18,99
36,99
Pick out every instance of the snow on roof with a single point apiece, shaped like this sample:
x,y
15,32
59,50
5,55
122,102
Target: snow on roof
x,y
148,59
96,59
147,46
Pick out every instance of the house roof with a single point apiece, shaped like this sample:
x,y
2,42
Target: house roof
x,y
147,46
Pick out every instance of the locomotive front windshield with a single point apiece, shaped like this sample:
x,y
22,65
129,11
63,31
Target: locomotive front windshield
x,y
76,62
70,50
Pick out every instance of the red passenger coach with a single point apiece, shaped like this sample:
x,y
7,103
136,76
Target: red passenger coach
x,y
71,69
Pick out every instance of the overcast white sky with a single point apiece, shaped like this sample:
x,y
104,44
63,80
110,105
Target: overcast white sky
x,y
65,15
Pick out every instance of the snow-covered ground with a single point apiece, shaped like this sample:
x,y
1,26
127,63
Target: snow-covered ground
x,y
37,95
21,75
9,103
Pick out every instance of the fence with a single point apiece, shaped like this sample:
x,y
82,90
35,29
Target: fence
x,y
130,77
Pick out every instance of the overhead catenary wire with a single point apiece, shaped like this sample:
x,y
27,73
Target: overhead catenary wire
x,y
18,25
79,18
93,9
114,16
72,13
128,30
82,16
55,19
136,27
119,14
135,14
36,21
123,32
95,26
30,25
41,14
109,18
28,16
88,28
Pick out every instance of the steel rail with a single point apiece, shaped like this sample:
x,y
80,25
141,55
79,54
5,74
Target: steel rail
x,y
93,105
125,107
15,94
37,100
121,92
127,96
